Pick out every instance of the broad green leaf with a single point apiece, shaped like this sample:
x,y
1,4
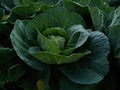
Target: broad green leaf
x,y
113,34
99,8
65,18
116,18
18,38
52,58
28,10
77,36
39,23
21,12
91,68
104,9
97,18
75,6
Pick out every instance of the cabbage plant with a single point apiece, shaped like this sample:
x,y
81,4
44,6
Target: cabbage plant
x,y
58,44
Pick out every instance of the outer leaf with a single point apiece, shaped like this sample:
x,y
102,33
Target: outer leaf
x,y
116,18
104,9
28,9
92,68
39,23
51,58
97,18
81,7
78,36
91,10
21,12
21,47
65,18
113,35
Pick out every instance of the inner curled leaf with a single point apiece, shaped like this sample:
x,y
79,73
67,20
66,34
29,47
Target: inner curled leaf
x,y
56,31
57,35
58,40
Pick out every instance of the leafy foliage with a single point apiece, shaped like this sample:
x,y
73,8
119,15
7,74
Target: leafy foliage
x,y
34,43
66,44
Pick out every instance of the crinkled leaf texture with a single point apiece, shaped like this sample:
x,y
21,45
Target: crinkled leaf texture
x,y
86,51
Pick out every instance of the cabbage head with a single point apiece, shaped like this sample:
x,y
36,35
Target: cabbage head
x,y
59,37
